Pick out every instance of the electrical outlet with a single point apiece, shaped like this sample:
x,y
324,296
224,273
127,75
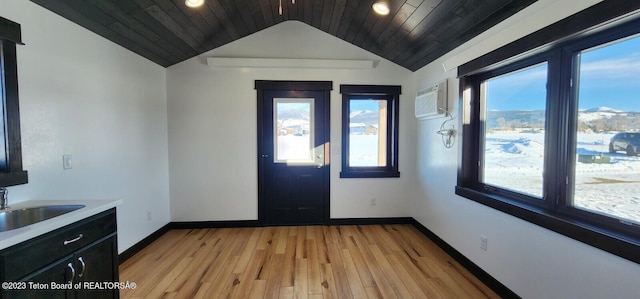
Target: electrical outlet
x,y
483,243
373,202
149,216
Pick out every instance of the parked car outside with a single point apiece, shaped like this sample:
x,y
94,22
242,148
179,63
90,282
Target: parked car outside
x,y
628,142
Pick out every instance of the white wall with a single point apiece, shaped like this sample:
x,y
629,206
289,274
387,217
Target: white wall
x,y
85,96
88,97
213,131
530,260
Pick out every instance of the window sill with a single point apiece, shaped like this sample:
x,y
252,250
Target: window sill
x,y
369,174
613,242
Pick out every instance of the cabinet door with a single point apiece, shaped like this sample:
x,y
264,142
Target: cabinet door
x,y
97,267
39,284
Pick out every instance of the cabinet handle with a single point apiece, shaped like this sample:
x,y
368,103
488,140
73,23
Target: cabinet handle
x,y
67,242
84,266
73,272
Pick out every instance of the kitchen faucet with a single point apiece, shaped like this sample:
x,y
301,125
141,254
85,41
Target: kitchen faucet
x,y
4,201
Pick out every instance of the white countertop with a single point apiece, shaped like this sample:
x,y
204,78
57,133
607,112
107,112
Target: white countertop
x,y
91,207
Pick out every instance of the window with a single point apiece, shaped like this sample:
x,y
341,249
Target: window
x,y
369,131
294,135
608,130
514,113
553,136
11,172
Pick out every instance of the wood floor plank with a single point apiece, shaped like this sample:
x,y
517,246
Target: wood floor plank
x,y
286,293
361,265
374,293
163,259
396,283
301,235
328,283
314,282
220,257
258,289
160,287
443,276
372,261
384,233
282,238
407,279
274,280
267,262
185,282
382,285
249,275
339,273
266,237
421,276
202,290
247,251
355,284
301,288
288,273
335,236
221,285
321,244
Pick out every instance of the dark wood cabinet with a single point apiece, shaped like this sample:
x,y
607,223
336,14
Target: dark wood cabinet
x,y
79,260
93,269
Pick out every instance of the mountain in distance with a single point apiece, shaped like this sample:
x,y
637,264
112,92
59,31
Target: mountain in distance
x,y
596,119
294,114
595,114
498,119
608,119
602,109
367,117
359,112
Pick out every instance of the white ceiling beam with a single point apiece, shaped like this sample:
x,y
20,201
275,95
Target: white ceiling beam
x,y
348,64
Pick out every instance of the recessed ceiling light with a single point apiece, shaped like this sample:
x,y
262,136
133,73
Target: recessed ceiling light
x,y
193,3
381,8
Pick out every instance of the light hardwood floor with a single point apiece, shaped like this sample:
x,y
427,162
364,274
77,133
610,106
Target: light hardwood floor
x,y
368,261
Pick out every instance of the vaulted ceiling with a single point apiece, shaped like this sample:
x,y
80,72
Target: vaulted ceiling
x,y
415,32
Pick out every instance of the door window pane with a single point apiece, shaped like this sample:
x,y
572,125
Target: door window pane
x,y
293,130
608,131
367,132
514,130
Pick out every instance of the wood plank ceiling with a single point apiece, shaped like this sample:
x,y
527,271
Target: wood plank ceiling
x,y
415,32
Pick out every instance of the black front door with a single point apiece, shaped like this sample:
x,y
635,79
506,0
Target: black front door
x,y
293,152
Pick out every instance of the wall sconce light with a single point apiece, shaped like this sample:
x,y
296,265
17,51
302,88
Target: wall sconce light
x,y
448,132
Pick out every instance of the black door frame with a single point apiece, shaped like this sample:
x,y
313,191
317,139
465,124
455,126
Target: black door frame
x,y
325,87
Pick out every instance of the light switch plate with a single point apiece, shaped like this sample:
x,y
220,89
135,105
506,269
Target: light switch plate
x,y
66,162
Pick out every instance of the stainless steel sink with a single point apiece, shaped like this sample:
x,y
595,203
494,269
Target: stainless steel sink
x,y
12,219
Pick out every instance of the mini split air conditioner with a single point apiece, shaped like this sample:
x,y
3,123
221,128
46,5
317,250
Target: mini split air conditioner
x,y
431,102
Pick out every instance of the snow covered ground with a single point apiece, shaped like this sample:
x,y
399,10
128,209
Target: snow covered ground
x,y
363,150
295,149
514,160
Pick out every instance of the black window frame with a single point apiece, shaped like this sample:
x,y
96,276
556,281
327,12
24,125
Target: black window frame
x,y
558,43
390,93
11,172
